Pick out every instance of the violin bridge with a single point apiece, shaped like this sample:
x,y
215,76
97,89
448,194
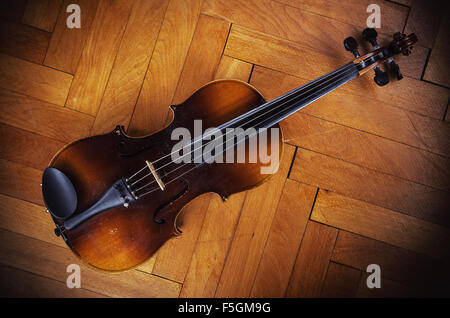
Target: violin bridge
x,y
155,175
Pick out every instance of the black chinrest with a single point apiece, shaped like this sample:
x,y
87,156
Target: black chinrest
x,y
59,194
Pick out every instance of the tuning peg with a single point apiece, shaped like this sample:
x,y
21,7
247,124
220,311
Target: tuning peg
x,y
351,45
395,69
370,35
381,78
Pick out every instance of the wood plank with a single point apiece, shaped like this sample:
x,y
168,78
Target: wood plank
x,y
297,60
439,60
66,45
368,150
220,221
201,63
27,148
379,189
404,2
232,68
413,64
50,261
131,63
20,182
381,224
98,55
165,67
212,246
34,80
42,14
312,261
43,118
204,55
389,289
173,258
424,19
251,233
22,284
291,23
341,281
28,219
12,10
360,112
354,12
284,239
23,41
405,268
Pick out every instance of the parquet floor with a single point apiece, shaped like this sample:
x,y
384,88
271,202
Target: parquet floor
x,y
365,177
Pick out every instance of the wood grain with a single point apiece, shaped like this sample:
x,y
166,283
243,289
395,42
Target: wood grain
x,y
350,109
212,246
389,289
379,189
203,57
51,261
284,239
66,45
252,232
43,118
28,219
301,26
234,69
42,14
439,61
380,155
20,181
409,269
23,41
174,257
381,224
341,281
130,66
98,56
165,67
220,221
295,59
18,283
34,80
312,261
27,148
355,12
424,19
209,39
368,150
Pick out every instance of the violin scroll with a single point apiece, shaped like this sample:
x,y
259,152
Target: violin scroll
x,y
401,43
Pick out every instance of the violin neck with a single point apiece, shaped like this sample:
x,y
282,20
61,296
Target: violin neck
x,y
274,111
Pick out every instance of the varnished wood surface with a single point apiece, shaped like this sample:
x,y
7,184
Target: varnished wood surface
x,y
365,173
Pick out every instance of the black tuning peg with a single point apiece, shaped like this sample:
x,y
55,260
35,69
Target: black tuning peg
x,y
351,45
370,35
395,69
381,78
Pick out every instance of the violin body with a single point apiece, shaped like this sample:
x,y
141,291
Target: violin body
x,y
124,237
115,201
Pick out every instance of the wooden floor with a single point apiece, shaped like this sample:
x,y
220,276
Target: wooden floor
x,y
365,177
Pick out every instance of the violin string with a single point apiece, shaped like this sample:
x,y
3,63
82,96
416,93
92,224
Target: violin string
x,y
179,167
330,75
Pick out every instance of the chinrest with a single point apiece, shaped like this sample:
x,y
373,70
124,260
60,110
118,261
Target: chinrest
x,y
59,194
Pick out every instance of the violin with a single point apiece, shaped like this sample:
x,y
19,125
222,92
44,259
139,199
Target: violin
x,y
115,199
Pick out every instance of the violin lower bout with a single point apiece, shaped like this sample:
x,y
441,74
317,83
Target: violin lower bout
x,y
123,238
